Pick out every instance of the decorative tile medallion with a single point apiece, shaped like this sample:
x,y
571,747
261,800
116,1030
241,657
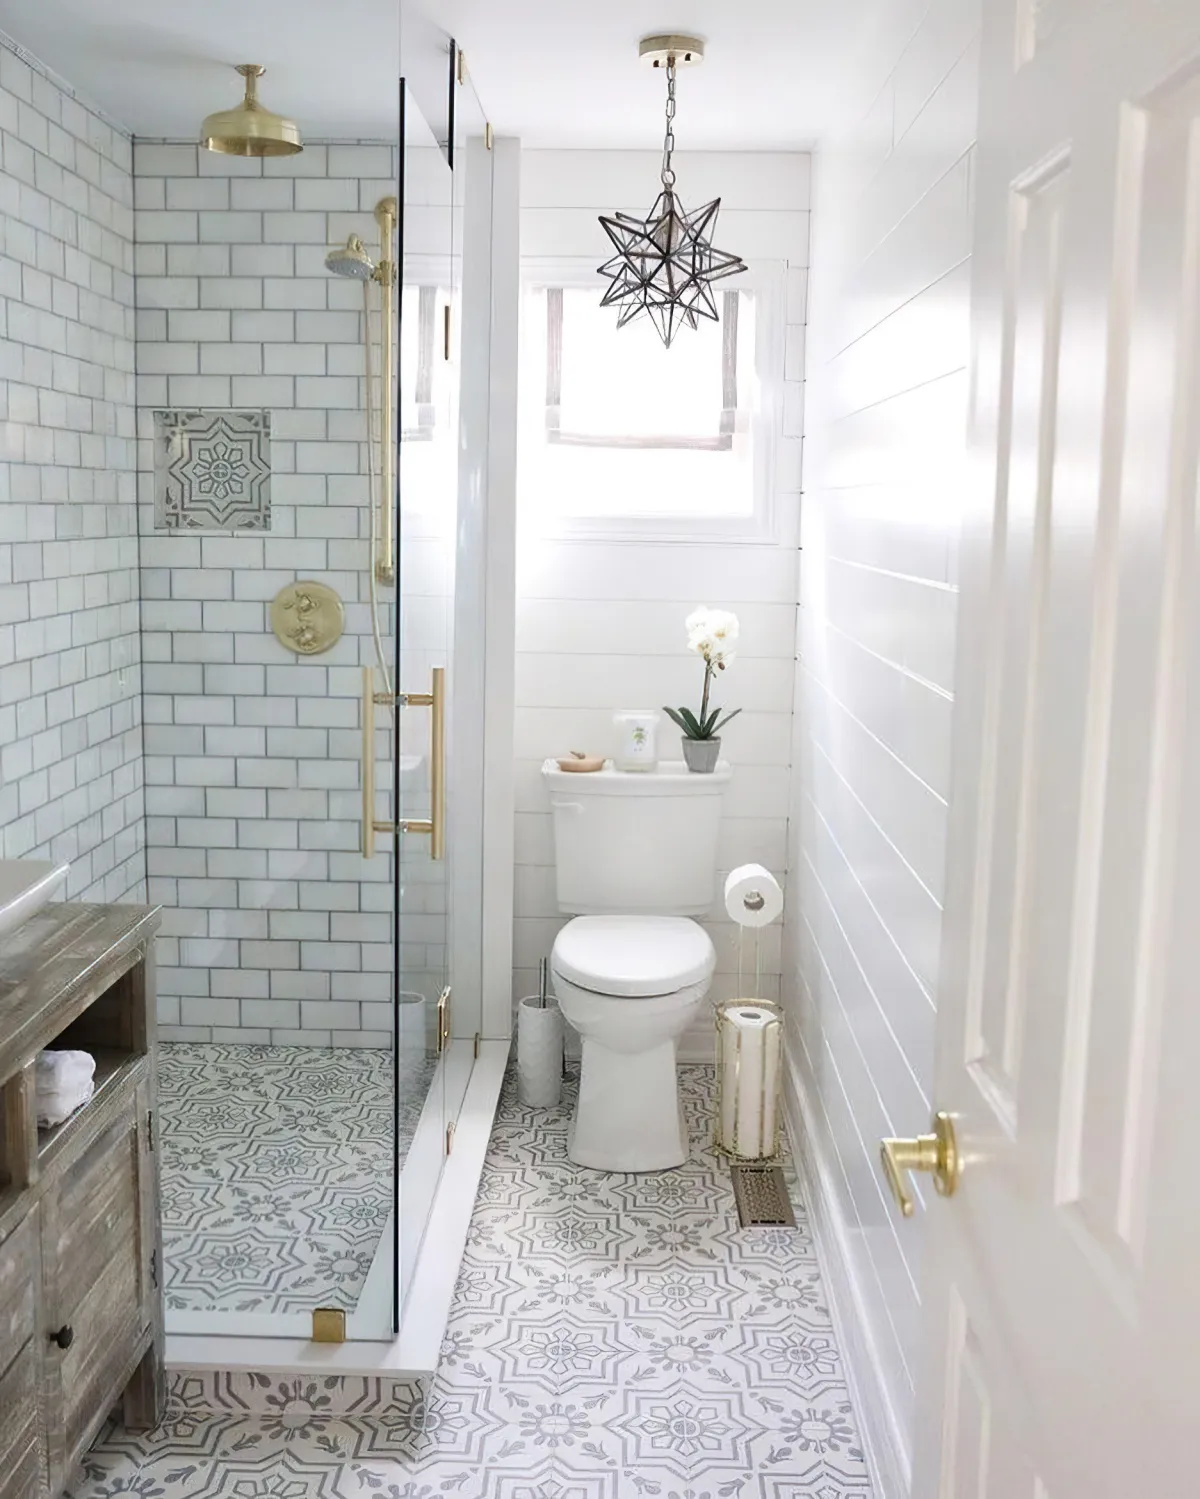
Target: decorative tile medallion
x,y
612,1337
212,470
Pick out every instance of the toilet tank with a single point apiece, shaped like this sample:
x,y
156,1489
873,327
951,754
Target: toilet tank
x,y
630,841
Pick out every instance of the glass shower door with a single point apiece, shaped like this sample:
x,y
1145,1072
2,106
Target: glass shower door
x,y
427,490
259,489
471,160
438,961
299,679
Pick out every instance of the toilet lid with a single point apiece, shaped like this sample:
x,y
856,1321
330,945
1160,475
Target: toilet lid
x,y
633,955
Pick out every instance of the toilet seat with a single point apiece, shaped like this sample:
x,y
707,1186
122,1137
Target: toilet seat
x,y
633,956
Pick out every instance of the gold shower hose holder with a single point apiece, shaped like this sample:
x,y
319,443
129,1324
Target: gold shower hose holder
x,y
435,824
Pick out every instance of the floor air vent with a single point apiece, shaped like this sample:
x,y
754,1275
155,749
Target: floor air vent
x,y
761,1196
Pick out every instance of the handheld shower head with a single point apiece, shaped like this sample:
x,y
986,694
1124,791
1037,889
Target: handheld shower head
x,y
351,260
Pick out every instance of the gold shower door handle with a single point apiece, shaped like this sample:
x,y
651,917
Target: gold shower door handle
x,y
370,701
435,823
443,1020
936,1153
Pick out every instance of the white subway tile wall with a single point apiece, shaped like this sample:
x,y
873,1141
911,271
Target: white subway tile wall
x,y
70,705
890,336
600,623
275,929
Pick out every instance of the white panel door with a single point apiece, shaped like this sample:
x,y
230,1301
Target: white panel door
x,y
1063,1298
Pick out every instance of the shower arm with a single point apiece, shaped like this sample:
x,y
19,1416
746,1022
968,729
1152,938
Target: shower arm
x,y
385,273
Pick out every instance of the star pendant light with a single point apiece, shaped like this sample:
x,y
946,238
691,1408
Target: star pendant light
x,y
665,264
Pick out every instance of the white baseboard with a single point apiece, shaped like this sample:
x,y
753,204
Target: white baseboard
x,y
882,1435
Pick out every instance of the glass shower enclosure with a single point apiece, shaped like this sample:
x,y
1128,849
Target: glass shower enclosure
x,y
298,686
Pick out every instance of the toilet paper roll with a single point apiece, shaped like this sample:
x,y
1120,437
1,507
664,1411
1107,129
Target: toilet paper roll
x,y
751,1037
753,896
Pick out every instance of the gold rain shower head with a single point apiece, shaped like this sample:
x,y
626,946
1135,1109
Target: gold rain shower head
x,y
250,130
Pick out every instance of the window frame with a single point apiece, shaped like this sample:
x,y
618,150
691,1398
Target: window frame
x,y
766,279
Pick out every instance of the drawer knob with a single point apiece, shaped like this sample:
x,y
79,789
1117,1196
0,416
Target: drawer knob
x,y
64,1337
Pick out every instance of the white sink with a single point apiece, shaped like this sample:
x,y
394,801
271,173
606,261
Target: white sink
x,y
25,887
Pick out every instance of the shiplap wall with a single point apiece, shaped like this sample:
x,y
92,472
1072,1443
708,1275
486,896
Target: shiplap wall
x,y
887,403
70,689
600,623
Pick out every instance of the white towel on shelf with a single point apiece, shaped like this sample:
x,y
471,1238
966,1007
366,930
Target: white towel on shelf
x,y
56,1068
54,1107
65,1081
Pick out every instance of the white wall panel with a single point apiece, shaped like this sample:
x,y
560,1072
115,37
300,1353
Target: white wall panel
x,y
887,346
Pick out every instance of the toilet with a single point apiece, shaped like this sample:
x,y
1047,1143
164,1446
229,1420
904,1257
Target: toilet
x,y
635,856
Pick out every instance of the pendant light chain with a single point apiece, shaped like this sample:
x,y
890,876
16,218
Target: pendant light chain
x,y
668,174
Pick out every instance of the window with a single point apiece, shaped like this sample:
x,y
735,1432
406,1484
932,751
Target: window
x,y
621,434
427,413
421,390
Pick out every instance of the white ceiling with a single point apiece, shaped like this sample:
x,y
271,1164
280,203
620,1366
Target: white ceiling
x,y
566,72
556,72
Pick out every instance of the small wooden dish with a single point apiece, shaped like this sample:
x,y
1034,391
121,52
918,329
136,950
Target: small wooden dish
x,y
581,763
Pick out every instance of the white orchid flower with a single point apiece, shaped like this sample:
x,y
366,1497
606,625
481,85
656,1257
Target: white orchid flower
x,y
712,634
723,626
697,628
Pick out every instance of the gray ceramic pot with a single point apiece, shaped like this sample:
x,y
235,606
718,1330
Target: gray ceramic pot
x,y
701,754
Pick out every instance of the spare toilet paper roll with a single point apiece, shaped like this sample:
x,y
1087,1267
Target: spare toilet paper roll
x,y
753,896
750,1047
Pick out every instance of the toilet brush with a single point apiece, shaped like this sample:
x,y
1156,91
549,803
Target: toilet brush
x,y
539,1047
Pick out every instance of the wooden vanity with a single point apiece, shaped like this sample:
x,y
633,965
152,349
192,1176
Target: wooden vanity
x,y
81,1324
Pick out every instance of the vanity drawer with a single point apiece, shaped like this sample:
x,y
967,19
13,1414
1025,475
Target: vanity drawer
x,y
18,1287
95,1316
20,1449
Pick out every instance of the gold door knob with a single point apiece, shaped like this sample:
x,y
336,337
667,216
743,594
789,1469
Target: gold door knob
x,y
936,1153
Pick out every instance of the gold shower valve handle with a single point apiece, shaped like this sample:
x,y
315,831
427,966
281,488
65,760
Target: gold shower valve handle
x,y
936,1153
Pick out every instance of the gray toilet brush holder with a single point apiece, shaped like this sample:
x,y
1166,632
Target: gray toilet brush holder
x,y
539,1049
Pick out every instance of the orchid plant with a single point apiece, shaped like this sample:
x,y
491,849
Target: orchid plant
x,y
712,634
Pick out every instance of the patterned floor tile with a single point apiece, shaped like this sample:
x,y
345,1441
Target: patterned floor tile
x,y
613,1337
276,1171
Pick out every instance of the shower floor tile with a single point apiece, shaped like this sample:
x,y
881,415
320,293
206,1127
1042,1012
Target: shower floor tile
x,y
276,1166
613,1337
